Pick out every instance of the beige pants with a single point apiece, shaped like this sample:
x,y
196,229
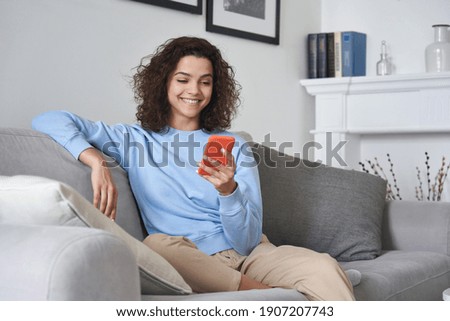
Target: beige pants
x,y
318,276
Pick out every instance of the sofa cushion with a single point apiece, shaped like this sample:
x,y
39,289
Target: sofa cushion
x,y
28,152
402,275
42,201
319,207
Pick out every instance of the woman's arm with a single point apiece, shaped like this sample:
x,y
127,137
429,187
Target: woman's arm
x,y
79,136
239,198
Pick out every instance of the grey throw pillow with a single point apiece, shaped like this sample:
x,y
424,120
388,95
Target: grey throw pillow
x,y
326,209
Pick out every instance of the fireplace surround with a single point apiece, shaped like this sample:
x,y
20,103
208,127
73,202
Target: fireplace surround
x,y
404,116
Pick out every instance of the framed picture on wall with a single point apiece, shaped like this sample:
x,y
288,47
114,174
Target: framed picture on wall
x,y
192,6
250,19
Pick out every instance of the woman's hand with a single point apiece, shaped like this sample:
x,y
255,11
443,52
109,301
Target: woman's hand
x,y
105,191
220,175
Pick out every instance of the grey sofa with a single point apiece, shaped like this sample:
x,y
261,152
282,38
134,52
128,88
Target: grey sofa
x,y
43,262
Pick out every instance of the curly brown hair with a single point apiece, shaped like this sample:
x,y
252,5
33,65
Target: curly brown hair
x,y
151,78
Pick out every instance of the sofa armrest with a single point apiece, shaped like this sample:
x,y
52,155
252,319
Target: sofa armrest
x,y
65,263
417,226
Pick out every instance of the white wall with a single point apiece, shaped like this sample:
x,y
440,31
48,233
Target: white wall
x,y
404,24
407,27
79,55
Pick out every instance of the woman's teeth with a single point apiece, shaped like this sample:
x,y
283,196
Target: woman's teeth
x,y
191,101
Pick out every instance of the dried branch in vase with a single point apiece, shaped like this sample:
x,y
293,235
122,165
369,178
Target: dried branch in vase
x,y
419,189
427,165
392,190
434,189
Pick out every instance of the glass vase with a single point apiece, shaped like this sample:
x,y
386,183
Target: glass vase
x,y
384,66
437,54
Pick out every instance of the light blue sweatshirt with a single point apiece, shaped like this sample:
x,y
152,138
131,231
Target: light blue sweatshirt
x,y
173,199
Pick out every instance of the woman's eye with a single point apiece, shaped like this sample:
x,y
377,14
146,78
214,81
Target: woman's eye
x,y
183,81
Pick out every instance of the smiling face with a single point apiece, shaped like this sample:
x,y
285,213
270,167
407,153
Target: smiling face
x,y
189,91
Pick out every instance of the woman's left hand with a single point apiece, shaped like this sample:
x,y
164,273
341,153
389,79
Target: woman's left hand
x,y
221,175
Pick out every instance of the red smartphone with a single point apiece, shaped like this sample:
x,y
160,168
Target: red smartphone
x,y
213,150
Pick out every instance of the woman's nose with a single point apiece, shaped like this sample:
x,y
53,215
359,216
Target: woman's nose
x,y
193,88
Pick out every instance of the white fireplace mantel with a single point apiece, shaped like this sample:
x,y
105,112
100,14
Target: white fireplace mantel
x,y
404,115
392,83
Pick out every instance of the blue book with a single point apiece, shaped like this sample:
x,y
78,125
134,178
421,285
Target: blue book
x,y
353,53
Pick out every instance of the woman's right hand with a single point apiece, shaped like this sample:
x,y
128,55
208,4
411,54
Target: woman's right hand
x,y
105,191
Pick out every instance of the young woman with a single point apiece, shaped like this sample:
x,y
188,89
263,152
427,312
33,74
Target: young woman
x,y
209,227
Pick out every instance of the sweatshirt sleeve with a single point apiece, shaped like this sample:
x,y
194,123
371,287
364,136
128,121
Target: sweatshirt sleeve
x,y
77,134
241,212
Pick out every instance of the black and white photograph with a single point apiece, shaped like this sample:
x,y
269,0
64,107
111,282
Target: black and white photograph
x,y
253,8
257,20
191,6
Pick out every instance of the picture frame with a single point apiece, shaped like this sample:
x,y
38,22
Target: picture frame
x,y
192,6
257,20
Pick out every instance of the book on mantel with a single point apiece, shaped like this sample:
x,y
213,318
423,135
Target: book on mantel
x,y
336,54
312,55
353,53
